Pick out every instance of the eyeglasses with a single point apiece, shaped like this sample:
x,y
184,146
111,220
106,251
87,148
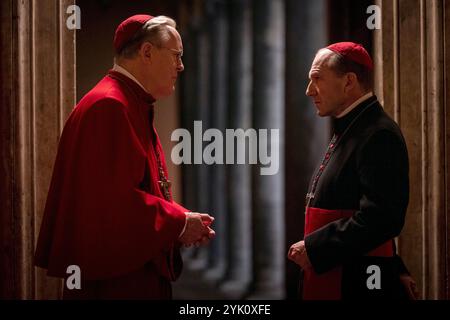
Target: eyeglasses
x,y
178,54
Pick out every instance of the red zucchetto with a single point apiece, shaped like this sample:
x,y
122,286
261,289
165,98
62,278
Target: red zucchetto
x,y
128,28
352,51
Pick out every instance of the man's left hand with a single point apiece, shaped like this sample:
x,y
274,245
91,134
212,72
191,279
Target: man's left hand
x,y
205,239
297,253
410,286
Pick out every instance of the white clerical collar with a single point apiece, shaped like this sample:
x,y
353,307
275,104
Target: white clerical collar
x,y
355,104
123,71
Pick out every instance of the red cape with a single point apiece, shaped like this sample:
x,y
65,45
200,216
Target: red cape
x,y
105,211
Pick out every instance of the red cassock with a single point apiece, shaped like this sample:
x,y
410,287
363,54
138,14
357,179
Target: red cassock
x,y
105,211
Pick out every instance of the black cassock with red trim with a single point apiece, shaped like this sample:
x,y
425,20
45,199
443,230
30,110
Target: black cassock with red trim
x,y
356,206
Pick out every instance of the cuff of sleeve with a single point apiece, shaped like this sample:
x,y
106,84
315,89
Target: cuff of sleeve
x,y
312,256
184,227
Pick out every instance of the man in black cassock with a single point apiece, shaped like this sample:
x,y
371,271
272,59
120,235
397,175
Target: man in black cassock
x,y
358,195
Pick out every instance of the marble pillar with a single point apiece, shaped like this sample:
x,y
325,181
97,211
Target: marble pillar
x,y
188,26
239,190
307,134
202,113
268,113
38,86
410,59
218,103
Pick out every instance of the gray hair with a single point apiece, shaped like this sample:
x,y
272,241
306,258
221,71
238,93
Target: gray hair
x,y
155,31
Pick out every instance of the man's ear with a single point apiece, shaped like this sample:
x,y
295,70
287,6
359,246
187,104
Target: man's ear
x,y
351,81
146,50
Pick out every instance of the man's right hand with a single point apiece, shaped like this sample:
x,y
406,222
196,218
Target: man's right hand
x,y
197,229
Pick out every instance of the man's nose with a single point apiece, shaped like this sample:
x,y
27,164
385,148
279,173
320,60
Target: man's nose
x,y
309,90
180,66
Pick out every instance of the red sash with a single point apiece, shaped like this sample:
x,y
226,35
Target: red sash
x,y
327,286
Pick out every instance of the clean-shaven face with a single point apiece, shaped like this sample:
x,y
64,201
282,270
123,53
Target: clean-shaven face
x,y
325,87
167,64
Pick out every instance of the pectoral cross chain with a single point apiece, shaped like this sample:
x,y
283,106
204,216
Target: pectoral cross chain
x,y
164,183
309,197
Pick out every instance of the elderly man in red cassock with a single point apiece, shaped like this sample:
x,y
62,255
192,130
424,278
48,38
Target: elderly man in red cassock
x,y
357,198
109,210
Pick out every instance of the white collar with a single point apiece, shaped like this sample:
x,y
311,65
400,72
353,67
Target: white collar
x,y
355,104
126,73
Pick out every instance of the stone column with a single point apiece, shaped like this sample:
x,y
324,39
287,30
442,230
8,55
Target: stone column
x,y
201,111
410,56
268,113
38,86
190,29
306,133
446,36
188,26
218,37
239,191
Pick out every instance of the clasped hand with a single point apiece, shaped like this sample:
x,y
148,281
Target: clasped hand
x,y
297,253
197,231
